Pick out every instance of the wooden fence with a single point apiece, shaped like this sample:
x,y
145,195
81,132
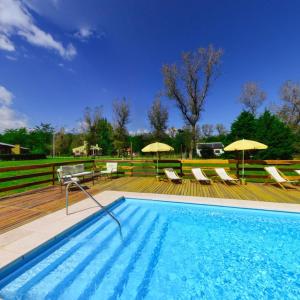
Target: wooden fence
x,y
22,177
19,178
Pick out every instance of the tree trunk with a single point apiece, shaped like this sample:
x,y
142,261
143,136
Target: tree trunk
x,y
193,142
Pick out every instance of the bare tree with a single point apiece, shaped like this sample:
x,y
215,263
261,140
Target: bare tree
x,y
207,130
289,112
158,116
188,84
221,130
121,112
252,97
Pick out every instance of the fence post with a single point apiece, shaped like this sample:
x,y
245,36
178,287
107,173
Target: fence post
x,y
237,168
53,174
181,172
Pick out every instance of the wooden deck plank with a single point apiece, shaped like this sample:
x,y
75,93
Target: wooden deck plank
x,y
20,209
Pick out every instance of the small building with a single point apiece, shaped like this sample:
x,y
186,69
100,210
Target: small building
x,y
84,151
217,148
12,149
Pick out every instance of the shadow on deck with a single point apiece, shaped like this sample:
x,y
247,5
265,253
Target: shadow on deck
x,y
20,209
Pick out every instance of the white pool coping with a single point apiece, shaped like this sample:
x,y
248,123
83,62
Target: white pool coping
x,y
18,242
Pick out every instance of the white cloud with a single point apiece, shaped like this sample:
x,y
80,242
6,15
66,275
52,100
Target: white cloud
x,y
139,131
9,57
6,44
15,19
9,118
6,96
84,33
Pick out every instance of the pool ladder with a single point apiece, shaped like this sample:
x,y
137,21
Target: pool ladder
x,y
74,181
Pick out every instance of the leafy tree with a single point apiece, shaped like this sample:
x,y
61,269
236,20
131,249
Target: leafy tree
x,y
17,136
158,116
41,138
188,84
252,97
63,141
105,136
277,135
90,123
244,127
139,141
182,141
77,140
97,130
121,116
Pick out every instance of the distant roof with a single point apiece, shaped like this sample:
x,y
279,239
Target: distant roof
x,y
215,145
11,145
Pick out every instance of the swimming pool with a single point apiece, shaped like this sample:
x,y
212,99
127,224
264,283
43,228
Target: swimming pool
x,y
168,251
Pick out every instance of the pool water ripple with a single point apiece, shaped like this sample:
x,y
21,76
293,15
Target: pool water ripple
x,y
169,251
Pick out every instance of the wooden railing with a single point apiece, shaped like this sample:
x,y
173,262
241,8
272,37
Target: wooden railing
x,y
19,178
46,174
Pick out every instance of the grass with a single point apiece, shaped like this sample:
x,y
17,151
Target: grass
x,y
140,167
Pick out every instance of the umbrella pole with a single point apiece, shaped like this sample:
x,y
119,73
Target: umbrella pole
x,y
243,163
157,164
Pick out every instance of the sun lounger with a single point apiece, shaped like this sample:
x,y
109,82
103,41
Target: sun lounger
x,y
111,168
200,176
279,177
172,176
297,171
225,177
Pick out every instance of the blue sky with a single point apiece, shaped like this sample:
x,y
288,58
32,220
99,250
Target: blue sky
x,y
59,56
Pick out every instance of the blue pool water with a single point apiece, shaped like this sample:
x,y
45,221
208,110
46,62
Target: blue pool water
x,y
168,251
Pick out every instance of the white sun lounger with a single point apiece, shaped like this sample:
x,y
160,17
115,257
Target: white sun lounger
x,y
110,169
225,177
297,171
171,175
278,177
200,176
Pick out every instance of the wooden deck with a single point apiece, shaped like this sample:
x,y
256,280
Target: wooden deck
x,y
21,209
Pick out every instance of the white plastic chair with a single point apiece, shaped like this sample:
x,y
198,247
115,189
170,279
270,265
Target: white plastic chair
x,y
110,169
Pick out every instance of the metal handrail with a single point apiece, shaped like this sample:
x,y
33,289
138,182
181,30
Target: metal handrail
x,y
91,197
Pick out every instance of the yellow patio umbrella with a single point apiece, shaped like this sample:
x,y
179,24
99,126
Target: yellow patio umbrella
x,y
243,145
157,147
